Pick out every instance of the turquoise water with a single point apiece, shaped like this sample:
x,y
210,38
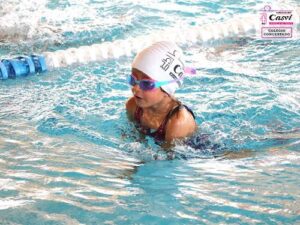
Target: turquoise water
x,y
68,155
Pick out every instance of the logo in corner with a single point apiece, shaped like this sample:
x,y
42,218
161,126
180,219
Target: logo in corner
x,y
277,23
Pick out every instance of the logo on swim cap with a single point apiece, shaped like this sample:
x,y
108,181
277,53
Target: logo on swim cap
x,y
177,69
168,60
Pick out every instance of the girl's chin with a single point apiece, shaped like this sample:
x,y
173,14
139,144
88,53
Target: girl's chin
x,y
140,102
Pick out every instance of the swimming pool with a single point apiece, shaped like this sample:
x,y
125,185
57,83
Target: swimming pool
x,y
68,155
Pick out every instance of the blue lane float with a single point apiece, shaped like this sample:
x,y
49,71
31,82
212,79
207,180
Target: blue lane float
x,y
22,66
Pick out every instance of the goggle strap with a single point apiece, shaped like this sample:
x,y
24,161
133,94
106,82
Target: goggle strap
x,y
190,70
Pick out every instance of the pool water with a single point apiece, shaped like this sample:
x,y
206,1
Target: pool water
x,y
68,154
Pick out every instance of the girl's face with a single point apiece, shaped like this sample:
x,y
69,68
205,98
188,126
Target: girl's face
x,y
143,98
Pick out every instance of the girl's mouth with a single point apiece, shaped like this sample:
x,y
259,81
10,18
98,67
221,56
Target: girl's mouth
x,y
137,97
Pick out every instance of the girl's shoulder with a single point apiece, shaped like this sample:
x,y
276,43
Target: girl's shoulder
x,y
181,124
131,107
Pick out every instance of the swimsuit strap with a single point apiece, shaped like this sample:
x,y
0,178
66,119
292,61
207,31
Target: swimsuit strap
x,y
159,134
163,125
188,109
138,114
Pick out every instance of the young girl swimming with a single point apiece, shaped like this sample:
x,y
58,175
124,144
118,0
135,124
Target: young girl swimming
x,y
157,71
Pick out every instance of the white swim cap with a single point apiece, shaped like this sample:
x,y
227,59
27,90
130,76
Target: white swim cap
x,y
162,61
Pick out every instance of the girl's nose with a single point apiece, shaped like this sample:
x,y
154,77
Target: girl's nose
x,y
135,89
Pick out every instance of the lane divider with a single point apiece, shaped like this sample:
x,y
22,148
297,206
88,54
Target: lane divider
x,y
242,26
